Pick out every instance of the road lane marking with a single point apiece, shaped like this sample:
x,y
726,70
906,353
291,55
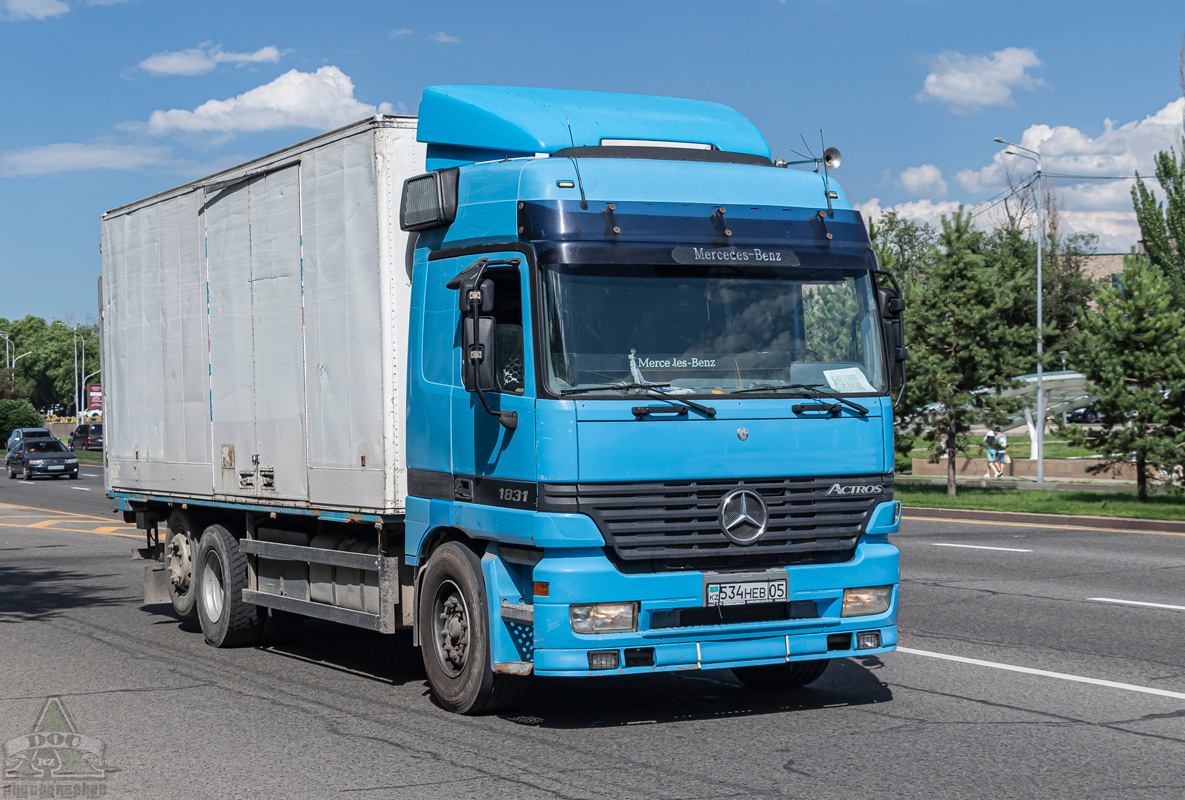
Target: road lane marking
x,y
982,547
1038,525
1135,603
55,513
80,488
91,475
1129,687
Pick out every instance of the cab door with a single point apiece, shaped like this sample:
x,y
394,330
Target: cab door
x,y
494,465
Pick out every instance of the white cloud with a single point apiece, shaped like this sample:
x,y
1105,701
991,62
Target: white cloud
x,y
446,38
203,59
397,33
17,10
70,157
969,83
921,210
322,99
923,180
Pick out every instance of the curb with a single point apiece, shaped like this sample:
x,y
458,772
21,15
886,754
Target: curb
x,y
1109,523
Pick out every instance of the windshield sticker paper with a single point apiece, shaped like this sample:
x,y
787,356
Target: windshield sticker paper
x,y
848,380
734,255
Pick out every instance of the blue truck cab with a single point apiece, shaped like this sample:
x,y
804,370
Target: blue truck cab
x,y
650,379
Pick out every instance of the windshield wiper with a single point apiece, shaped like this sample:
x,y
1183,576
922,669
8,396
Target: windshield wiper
x,y
815,390
652,388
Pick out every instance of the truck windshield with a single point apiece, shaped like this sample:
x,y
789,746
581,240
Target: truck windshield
x,y
710,330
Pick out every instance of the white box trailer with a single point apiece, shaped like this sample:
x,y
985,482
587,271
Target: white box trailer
x,y
254,329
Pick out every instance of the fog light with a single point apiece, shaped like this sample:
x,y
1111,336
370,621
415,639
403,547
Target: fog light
x,y
602,659
868,640
865,601
604,618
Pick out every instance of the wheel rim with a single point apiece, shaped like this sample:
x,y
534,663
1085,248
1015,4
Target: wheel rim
x,y
212,587
450,621
180,561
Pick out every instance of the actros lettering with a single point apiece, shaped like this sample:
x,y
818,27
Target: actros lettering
x,y
851,488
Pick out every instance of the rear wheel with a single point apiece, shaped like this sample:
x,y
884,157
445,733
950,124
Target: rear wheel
x,y
11,472
221,573
781,676
454,635
181,546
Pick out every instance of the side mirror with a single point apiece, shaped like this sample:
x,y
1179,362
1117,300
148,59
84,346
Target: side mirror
x,y
891,306
479,359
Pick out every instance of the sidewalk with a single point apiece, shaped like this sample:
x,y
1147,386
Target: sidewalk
x,y
1097,485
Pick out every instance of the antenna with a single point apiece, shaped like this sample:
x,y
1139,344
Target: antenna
x,y
576,163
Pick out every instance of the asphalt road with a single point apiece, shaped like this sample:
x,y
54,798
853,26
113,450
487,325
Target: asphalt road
x,y
1061,691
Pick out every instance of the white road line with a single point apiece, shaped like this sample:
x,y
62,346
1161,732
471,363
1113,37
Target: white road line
x,y
90,475
982,547
1046,674
80,488
1135,603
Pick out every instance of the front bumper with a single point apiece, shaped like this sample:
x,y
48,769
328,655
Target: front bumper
x,y
585,575
64,469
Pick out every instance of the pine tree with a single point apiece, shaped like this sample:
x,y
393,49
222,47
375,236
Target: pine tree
x,y
1132,356
1162,226
962,349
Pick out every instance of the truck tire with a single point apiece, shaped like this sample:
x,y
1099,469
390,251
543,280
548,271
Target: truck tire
x,y
454,635
221,574
781,676
181,546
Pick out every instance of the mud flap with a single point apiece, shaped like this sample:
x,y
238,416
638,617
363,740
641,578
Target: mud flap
x,y
156,584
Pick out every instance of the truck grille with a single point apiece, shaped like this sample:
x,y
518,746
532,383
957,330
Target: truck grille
x,y
674,525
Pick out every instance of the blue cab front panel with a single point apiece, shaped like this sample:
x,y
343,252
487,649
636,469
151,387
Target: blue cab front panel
x,y
583,441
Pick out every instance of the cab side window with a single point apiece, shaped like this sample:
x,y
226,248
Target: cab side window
x,y
509,348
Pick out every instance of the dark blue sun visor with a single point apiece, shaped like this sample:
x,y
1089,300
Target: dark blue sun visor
x,y
695,233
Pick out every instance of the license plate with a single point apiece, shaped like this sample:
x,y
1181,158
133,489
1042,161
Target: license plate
x,y
743,593
57,467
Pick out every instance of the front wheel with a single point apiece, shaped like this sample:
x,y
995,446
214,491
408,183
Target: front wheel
x,y
781,676
221,572
454,635
11,472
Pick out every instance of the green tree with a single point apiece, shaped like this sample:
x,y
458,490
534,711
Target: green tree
x,y
1162,225
1132,355
17,414
961,346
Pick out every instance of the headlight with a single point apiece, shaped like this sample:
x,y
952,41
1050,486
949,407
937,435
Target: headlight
x,y
71,460
865,601
37,462
604,617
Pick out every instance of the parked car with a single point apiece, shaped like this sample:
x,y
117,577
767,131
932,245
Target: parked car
x,y
87,437
1084,414
41,457
20,434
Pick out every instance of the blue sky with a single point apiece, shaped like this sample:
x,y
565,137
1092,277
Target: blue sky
x,y
108,101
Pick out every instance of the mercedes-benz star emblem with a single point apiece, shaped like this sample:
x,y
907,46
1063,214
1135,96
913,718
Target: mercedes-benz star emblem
x,y
743,516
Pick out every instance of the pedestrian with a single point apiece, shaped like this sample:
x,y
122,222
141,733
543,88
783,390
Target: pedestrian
x,y
989,443
1001,452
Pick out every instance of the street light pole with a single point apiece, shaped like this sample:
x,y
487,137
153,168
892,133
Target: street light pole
x,y
75,330
1036,156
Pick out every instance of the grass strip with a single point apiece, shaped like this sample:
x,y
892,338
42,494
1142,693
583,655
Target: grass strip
x,y
1043,501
